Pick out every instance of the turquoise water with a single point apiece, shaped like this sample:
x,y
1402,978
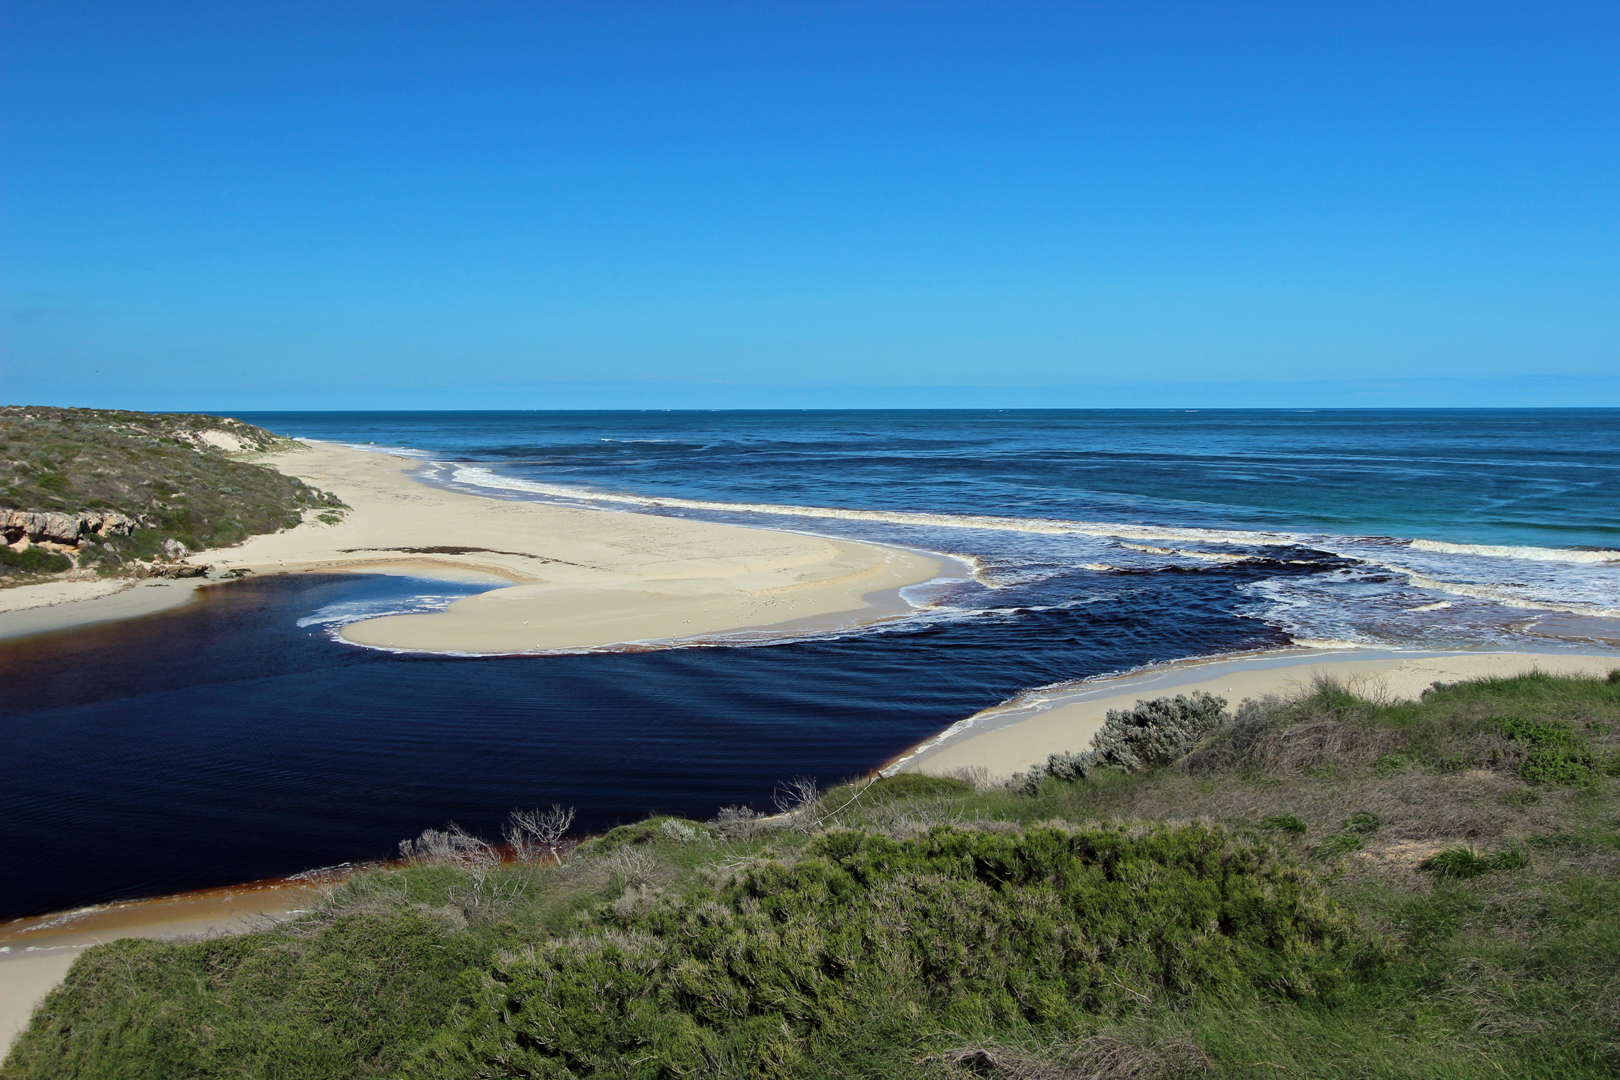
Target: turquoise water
x,y
1434,528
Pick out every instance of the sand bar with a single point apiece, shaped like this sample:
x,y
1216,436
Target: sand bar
x,y
575,578
1021,733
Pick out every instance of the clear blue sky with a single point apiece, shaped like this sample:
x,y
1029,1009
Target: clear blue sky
x,y
346,205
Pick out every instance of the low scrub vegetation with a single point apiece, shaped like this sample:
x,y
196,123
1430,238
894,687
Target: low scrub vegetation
x,y
180,478
1317,886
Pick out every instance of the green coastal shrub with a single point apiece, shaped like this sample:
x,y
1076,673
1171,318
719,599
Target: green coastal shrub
x,y
157,468
33,560
970,929
1555,752
1363,823
1154,733
1465,862
1288,823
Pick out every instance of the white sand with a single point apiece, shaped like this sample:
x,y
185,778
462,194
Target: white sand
x,y
579,578
51,593
1012,737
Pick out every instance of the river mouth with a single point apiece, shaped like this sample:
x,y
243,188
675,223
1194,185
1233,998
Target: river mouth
x,y
223,742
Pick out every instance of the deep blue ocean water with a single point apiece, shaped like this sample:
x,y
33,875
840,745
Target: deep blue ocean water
x,y
237,739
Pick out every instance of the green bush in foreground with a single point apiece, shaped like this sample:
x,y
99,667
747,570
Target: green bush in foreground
x,y
980,931
1556,754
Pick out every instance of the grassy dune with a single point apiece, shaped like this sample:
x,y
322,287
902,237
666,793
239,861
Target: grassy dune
x,y
1320,886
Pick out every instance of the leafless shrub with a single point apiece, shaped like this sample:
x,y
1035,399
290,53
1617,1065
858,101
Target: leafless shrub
x,y
451,846
798,801
630,867
378,891
453,917
977,775
913,817
635,900
534,834
737,823
682,833
480,893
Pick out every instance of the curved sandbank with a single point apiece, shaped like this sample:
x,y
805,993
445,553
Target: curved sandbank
x,y
1023,732
579,579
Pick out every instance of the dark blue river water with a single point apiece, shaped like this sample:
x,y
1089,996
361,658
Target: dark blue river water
x,y
236,739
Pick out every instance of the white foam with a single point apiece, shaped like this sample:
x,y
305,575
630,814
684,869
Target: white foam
x,y
481,477
1532,554
1503,594
337,616
1206,556
1312,608
1334,643
374,448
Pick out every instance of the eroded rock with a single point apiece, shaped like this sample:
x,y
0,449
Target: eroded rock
x,y
41,526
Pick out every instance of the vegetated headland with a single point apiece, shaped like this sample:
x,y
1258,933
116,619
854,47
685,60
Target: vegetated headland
x,y
90,493
1314,885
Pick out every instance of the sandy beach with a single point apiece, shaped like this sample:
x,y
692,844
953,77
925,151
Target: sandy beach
x,y
574,578
1021,733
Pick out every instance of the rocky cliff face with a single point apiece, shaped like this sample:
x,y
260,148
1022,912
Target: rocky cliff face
x,y
69,529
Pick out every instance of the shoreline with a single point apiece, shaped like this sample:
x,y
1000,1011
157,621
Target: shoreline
x,y
128,598
36,952
568,579
1022,732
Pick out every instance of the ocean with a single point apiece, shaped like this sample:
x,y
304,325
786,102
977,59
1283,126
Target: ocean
x,y
239,738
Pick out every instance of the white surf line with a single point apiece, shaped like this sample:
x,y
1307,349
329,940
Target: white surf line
x,y
1533,554
480,476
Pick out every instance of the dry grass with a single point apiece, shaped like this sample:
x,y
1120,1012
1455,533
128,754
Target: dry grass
x,y
1098,1057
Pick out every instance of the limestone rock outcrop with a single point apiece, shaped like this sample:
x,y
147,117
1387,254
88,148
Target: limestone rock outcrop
x,y
43,526
168,570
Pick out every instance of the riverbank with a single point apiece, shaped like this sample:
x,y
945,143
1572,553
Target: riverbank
x,y
36,953
1022,733
576,579
1295,901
